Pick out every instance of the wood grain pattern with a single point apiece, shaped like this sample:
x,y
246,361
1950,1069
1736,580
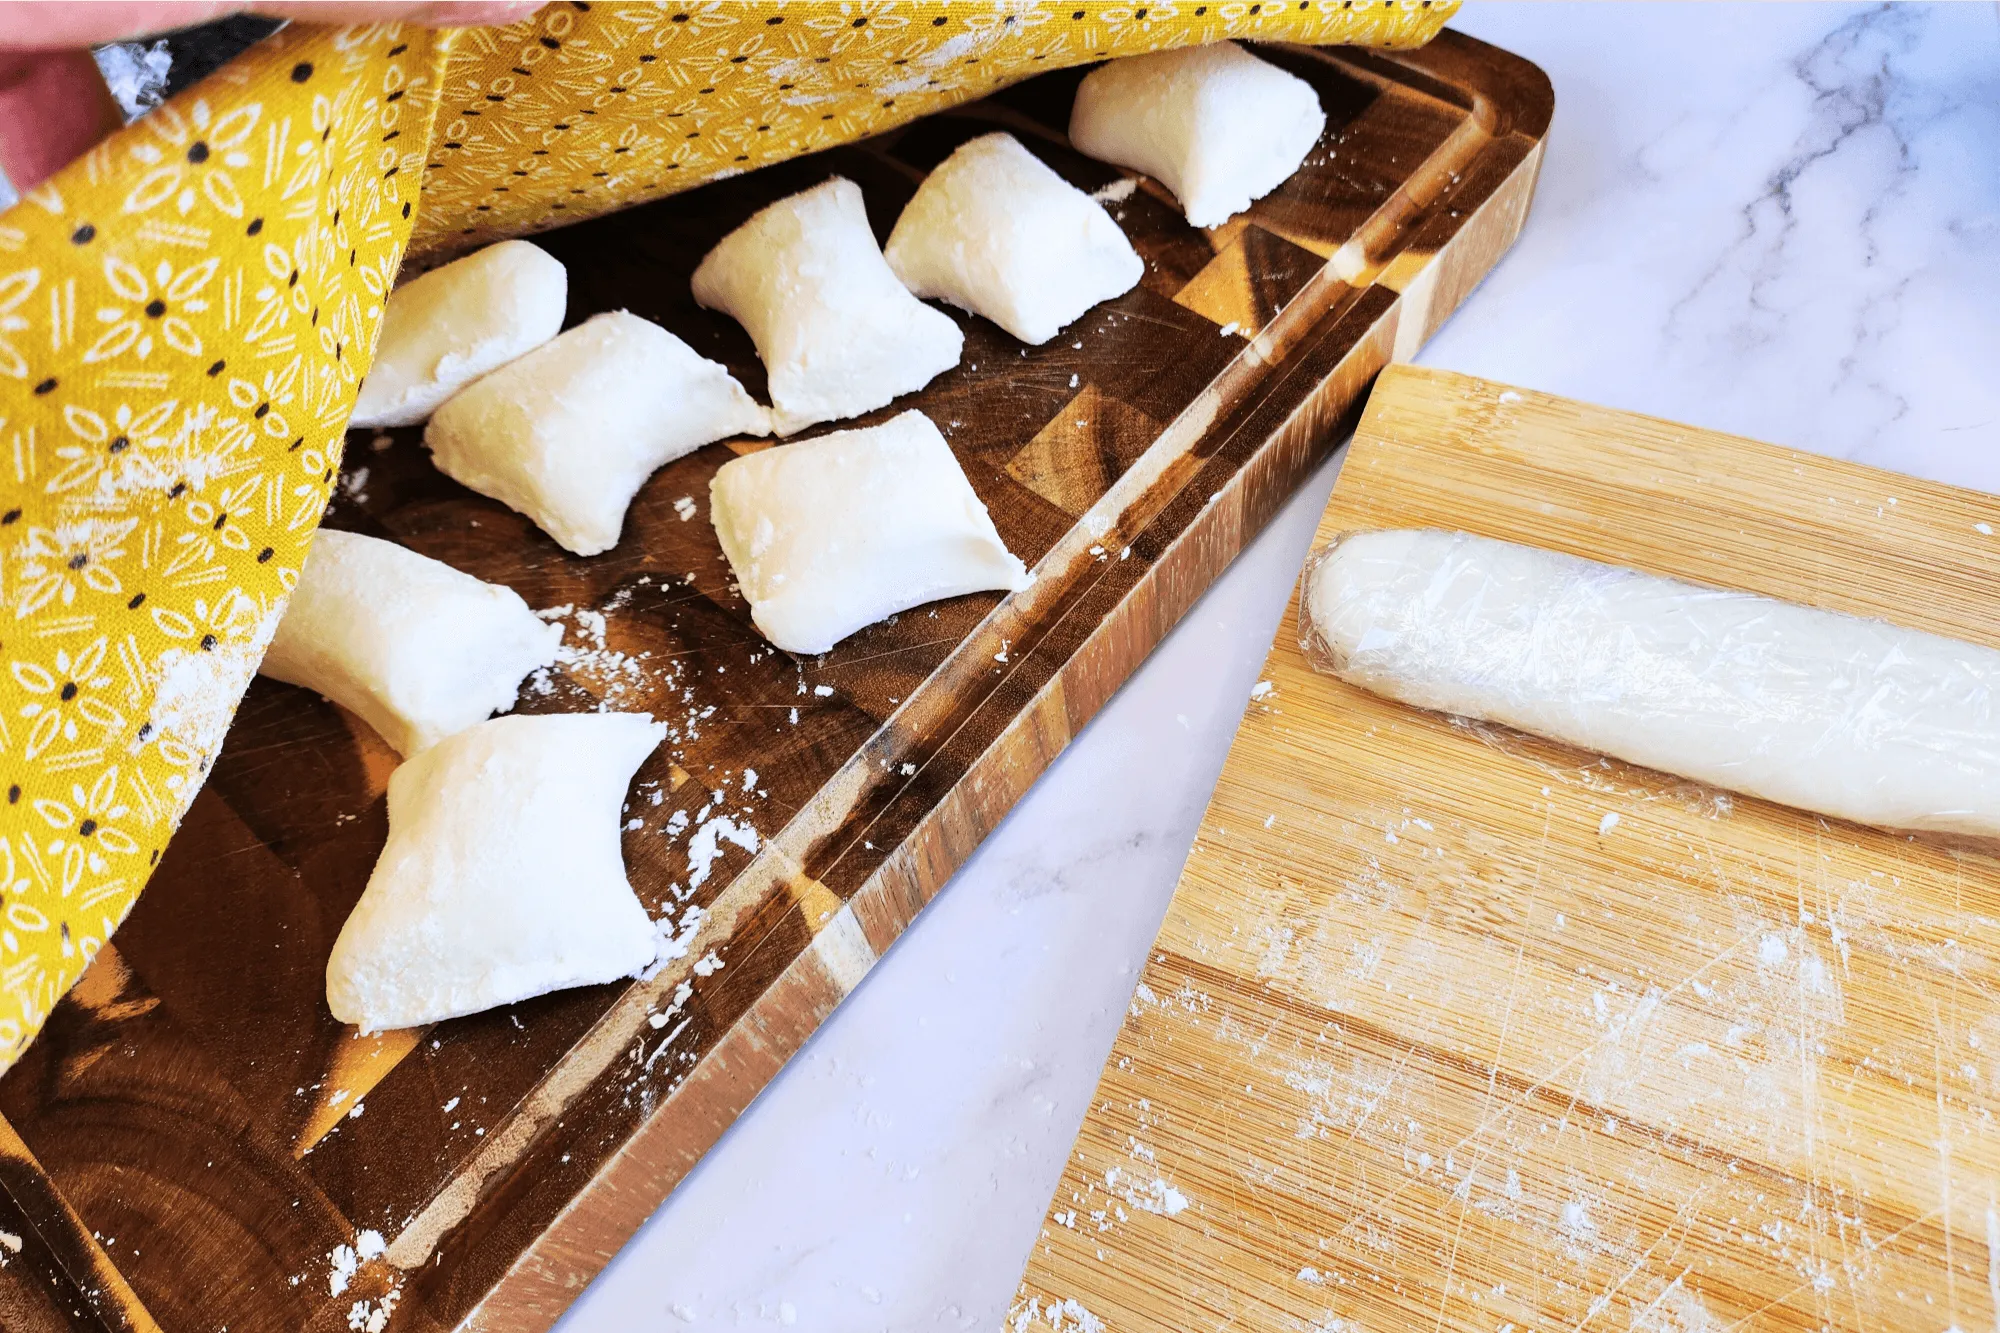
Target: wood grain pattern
x,y
1429,1042
197,1144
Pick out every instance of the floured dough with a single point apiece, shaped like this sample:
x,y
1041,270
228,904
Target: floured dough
x,y
502,877
995,231
569,433
835,533
417,648
1214,124
839,335
1848,717
446,328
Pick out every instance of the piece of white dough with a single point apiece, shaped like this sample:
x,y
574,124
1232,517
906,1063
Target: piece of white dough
x,y
445,328
1832,713
835,533
995,231
417,648
569,433
502,877
1214,124
838,334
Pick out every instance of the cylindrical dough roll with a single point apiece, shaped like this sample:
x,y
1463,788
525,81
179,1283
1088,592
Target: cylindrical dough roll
x,y
446,328
1848,717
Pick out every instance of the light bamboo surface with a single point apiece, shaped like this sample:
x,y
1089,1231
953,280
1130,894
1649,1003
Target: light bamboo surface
x,y
1431,1041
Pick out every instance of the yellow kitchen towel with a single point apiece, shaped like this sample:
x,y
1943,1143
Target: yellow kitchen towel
x,y
185,313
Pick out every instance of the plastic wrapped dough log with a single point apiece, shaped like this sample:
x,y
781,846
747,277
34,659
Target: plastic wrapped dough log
x,y
446,328
569,433
835,533
995,231
1848,717
1214,124
415,647
838,334
503,877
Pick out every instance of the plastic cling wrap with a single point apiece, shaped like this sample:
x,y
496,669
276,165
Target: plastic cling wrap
x,y
1848,717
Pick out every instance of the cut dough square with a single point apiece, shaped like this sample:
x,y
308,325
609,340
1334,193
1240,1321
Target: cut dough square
x,y
502,877
1214,124
415,647
838,334
995,231
569,433
446,328
835,533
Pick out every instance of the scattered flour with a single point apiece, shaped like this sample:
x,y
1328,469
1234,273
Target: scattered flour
x,y
196,689
344,1261
1117,192
675,940
1064,1316
618,679
707,842
1148,1196
373,1316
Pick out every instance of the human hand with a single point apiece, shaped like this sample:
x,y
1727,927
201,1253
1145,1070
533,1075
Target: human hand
x,y
54,104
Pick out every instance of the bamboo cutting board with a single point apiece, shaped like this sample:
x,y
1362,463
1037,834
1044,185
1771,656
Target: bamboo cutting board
x,y
1450,1028
193,1143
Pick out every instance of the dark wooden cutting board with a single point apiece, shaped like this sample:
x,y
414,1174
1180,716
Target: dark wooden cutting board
x,y
194,1143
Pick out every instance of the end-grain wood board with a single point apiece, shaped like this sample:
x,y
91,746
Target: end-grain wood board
x,y
193,1143
1431,1041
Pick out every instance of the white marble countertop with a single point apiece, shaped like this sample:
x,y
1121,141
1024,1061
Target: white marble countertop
x,y
1782,221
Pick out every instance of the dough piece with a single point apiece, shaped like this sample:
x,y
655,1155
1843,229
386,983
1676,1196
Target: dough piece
x,y
502,877
835,533
418,649
838,334
1214,124
1848,717
446,328
993,230
569,433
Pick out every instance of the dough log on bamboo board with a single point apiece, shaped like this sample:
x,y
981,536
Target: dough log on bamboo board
x,y
1854,718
